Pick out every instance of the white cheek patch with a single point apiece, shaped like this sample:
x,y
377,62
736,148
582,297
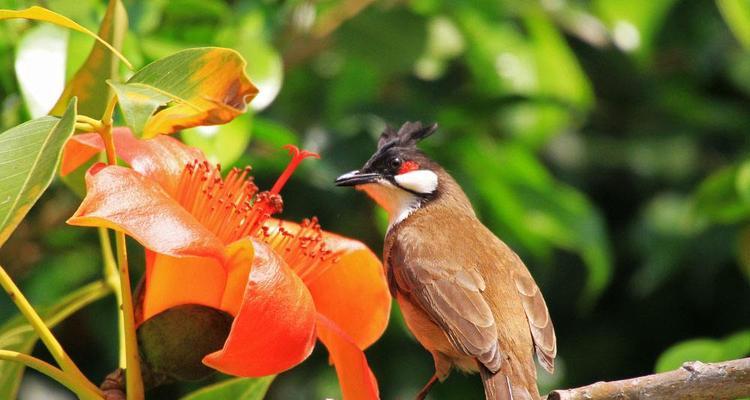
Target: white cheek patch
x,y
421,181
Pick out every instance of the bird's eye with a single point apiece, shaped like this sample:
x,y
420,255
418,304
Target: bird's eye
x,y
395,163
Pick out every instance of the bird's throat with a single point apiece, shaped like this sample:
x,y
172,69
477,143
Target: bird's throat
x,y
397,202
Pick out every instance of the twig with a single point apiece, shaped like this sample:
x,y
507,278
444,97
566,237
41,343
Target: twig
x,y
694,380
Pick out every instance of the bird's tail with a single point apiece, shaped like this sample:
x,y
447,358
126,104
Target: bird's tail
x,y
498,386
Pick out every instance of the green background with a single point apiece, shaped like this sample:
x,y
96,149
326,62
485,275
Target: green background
x,y
605,141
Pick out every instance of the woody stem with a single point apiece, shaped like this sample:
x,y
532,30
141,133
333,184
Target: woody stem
x,y
133,378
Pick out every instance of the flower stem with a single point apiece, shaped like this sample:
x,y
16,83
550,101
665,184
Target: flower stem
x,y
83,391
112,278
133,378
66,363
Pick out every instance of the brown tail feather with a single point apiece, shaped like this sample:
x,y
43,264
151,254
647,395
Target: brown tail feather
x,y
498,386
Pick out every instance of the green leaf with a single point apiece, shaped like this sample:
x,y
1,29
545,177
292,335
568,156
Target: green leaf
x,y
138,103
717,198
42,14
444,43
534,122
370,38
705,350
742,181
89,83
29,154
234,389
537,63
17,335
201,86
223,144
665,231
272,133
736,345
559,74
634,24
737,15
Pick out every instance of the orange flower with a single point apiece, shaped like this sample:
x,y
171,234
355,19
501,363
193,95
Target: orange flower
x,y
210,241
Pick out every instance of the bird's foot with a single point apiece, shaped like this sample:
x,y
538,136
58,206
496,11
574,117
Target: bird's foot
x,y
423,393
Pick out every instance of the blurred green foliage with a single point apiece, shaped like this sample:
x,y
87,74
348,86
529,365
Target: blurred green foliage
x,y
606,141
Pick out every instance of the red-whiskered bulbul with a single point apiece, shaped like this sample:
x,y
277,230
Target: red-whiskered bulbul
x,y
465,295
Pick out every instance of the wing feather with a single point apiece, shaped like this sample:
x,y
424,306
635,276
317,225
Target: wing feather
x,y
540,323
452,297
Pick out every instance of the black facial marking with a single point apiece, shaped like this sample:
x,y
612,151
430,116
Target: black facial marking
x,y
395,147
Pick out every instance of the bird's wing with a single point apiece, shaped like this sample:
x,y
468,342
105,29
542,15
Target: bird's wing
x,y
540,322
452,297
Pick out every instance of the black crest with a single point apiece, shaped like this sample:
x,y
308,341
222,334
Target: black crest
x,y
407,136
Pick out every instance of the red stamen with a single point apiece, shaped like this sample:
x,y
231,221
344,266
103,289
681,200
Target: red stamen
x,y
232,208
220,205
297,157
305,250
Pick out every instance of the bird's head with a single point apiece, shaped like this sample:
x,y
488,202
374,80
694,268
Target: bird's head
x,y
399,177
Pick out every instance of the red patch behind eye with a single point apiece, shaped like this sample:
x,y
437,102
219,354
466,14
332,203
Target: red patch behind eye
x,y
408,166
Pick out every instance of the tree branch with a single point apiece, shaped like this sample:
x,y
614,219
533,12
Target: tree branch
x,y
694,380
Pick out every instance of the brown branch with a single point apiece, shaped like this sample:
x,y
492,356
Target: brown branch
x,y
694,380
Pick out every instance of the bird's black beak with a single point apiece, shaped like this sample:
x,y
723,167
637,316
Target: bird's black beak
x,y
355,178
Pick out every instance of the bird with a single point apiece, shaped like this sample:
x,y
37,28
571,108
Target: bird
x,y
465,295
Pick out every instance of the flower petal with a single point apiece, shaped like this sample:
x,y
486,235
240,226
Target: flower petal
x,y
172,281
275,327
355,377
240,256
122,199
350,289
79,149
162,158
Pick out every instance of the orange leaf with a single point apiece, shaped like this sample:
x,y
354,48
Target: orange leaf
x,y
202,86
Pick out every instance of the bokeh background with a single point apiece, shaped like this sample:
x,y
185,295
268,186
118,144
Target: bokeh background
x,y
606,141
